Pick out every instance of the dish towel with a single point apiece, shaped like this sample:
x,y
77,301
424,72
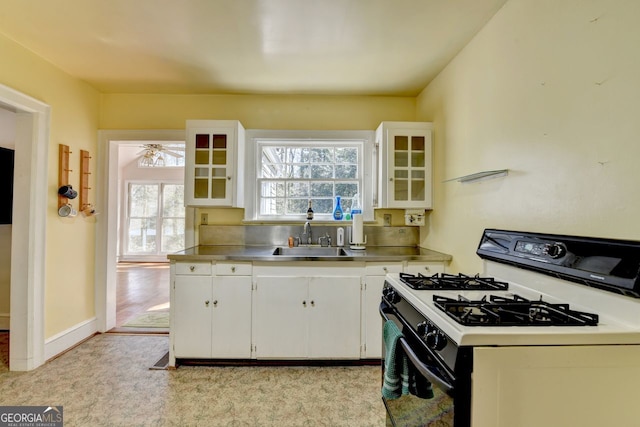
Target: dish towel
x,y
396,366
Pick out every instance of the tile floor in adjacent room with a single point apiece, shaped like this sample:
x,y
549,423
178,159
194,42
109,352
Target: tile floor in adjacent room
x,y
106,381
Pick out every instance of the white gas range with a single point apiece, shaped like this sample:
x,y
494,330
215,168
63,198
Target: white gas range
x,y
537,339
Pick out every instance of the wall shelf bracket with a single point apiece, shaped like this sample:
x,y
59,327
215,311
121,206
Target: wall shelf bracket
x,y
480,176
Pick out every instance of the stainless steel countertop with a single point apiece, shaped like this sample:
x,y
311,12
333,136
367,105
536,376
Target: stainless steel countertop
x,y
265,253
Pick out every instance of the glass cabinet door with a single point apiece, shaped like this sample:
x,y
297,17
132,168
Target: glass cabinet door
x,y
210,177
211,167
409,169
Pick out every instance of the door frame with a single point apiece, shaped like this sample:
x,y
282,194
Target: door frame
x,y
28,242
107,227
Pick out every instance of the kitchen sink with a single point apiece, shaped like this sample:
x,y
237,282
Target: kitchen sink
x,y
309,251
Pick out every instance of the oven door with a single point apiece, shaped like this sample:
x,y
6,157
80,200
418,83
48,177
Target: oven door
x,y
410,410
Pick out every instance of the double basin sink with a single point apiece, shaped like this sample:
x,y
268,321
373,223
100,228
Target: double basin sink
x,y
309,251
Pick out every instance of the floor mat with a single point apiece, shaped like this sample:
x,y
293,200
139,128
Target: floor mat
x,y
149,319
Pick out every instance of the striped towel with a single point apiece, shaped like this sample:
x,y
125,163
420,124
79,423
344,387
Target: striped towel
x,y
396,366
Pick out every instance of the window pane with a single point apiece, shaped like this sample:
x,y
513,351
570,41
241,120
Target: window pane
x,y
322,189
346,171
272,188
347,155
298,189
322,155
173,200
142,235
346,190
298,155
321,171
172,234
297,206
322,206
143,200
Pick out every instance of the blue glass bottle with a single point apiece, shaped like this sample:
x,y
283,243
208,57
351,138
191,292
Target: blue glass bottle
x,y
337,210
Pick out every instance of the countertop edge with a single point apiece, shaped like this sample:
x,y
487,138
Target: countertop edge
x,y
265,254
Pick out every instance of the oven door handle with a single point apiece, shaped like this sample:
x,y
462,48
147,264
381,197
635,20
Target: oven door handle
x,y
424,369
415,361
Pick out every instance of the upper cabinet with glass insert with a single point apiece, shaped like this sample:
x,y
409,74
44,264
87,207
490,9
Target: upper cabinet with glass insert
x,y
214,149
404,165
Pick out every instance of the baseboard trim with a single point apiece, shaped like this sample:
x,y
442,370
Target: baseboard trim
x,y
65,340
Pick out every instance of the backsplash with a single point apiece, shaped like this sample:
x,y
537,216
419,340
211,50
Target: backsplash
x,y
260,235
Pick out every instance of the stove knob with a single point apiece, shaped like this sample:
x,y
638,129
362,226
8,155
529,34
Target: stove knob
x,y
436,340
391,295
555,250
422,329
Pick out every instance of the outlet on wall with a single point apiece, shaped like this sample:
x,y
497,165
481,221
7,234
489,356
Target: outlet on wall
x,y
204,218
387,220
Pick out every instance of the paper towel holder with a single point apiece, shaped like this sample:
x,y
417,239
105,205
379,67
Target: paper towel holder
x,y
359,246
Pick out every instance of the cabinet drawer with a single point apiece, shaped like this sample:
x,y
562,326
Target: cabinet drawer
x,y
198,268
381,268
426,268
233,269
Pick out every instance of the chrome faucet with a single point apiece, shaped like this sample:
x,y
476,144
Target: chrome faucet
x,y
307,231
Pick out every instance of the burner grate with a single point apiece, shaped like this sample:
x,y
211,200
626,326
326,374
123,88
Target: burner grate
x,y
444,281
512,310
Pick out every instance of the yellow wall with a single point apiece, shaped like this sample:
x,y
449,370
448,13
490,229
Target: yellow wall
x,y
548,89
69,286
138,111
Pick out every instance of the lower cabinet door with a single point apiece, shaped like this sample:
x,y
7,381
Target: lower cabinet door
x,y
279,322
231,317
192,316
371,316
334,317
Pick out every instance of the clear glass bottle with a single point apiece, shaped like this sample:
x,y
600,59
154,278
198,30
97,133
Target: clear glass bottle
x,y
337,210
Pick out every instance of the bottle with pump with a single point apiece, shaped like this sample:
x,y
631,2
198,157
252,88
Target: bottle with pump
x,y
310,211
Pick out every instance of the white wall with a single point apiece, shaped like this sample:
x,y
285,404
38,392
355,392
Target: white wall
x,y
548,89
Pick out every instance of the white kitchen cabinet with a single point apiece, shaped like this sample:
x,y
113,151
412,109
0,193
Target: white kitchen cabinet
x,y
211,314
424,268
313,314
375,273
214,155
404,165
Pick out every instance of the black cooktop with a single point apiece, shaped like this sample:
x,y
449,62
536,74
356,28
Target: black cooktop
x,y
444,281
512,310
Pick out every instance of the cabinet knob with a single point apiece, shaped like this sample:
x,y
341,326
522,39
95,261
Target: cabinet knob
x,y
229,178
215,302
192,267
304,303
385,269
313,303
233,269
427,268
206,303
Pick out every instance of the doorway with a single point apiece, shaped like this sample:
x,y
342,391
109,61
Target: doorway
x,y
109,193
26,341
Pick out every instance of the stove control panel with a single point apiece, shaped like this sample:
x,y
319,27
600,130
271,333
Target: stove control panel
x,y
553,250
431,335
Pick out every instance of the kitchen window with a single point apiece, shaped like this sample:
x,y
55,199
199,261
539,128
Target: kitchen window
x,y
295,167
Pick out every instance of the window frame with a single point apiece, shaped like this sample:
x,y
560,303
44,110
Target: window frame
x,y
254,140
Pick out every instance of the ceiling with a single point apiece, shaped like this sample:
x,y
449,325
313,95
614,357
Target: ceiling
x,y
335,47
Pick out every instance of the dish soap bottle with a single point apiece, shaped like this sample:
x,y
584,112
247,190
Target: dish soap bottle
x,y
337,210
310,211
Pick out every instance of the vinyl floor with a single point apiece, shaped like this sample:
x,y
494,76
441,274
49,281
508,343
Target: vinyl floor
x,y
106,381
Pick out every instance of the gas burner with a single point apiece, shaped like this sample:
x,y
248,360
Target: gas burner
x,y
512,310
444,281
